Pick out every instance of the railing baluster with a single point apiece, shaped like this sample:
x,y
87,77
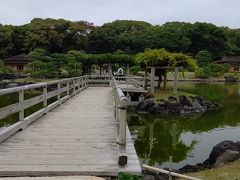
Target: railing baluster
x,y
21,100
59,93
45,98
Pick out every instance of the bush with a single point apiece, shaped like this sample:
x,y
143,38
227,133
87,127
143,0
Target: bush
x,y
203,58
123,176
134,69
211,70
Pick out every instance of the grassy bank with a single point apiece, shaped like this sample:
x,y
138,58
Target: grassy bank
x,y
164,94
229,171
33,80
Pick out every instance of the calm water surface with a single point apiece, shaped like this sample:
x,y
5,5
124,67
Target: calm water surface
x,y
188,140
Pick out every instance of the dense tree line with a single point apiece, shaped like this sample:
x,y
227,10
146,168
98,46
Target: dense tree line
x,y
61,36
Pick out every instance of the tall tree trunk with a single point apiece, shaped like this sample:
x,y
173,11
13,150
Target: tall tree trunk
x,y
100,68
159,81
165,80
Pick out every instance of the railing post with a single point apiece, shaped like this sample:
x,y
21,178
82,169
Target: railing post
x,y
68,90
59,93
21,99
45,98
74,86
143,82
78,83
122,115
85,81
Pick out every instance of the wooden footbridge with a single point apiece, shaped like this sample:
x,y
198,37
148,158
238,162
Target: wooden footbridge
x,y
83,131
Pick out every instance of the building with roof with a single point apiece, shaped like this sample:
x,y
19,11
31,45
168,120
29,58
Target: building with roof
x,y
233,61
18,62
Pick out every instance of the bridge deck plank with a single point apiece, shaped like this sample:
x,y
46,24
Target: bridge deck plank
x,y
77,138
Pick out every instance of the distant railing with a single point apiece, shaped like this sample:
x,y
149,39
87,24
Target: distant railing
x,y
120,113
98,80
61,89
137,81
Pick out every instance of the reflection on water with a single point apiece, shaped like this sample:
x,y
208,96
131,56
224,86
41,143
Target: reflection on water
x,y
188,140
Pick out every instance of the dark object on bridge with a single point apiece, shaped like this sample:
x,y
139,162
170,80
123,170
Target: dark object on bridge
x,y
230,79
122,161
18,62
222,153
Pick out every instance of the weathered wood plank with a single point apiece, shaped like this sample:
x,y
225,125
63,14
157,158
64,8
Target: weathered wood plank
x,y
76,138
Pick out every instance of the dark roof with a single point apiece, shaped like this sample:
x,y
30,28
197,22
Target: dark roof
x,y
22,59
232,60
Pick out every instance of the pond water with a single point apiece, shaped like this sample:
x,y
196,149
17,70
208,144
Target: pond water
x,y
189,140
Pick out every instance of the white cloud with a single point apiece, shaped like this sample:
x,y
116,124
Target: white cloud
x,y
219,12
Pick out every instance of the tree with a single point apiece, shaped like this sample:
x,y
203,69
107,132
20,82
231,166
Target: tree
x,y
171,36
5,69
6,45
206,36
117,35
203,58
56,35
163,58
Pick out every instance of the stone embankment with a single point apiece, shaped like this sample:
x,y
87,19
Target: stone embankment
x,y
182,105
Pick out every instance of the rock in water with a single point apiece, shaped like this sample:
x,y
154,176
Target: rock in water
x,y
196,105
173,107
184,101
227,156
221,148
145,104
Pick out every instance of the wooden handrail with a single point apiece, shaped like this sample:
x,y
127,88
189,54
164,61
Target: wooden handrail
x,y
70,86
169,172
120,105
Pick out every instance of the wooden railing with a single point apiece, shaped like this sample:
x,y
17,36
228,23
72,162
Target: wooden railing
x,y
134,80
98,80
120,113
61,89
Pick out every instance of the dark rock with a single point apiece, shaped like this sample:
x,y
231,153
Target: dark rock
x,y
145,104
208,104
184,101
199,98
221,148
172,99
224,152
196,105
173,107
227,156
230,79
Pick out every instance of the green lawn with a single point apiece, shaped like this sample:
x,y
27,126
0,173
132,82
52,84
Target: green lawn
x,y
230,171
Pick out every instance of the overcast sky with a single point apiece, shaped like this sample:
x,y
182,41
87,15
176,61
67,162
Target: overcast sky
x,y
219,12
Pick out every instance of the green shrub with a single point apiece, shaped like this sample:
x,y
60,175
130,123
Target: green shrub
x,y
211,70
123,176
134,69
